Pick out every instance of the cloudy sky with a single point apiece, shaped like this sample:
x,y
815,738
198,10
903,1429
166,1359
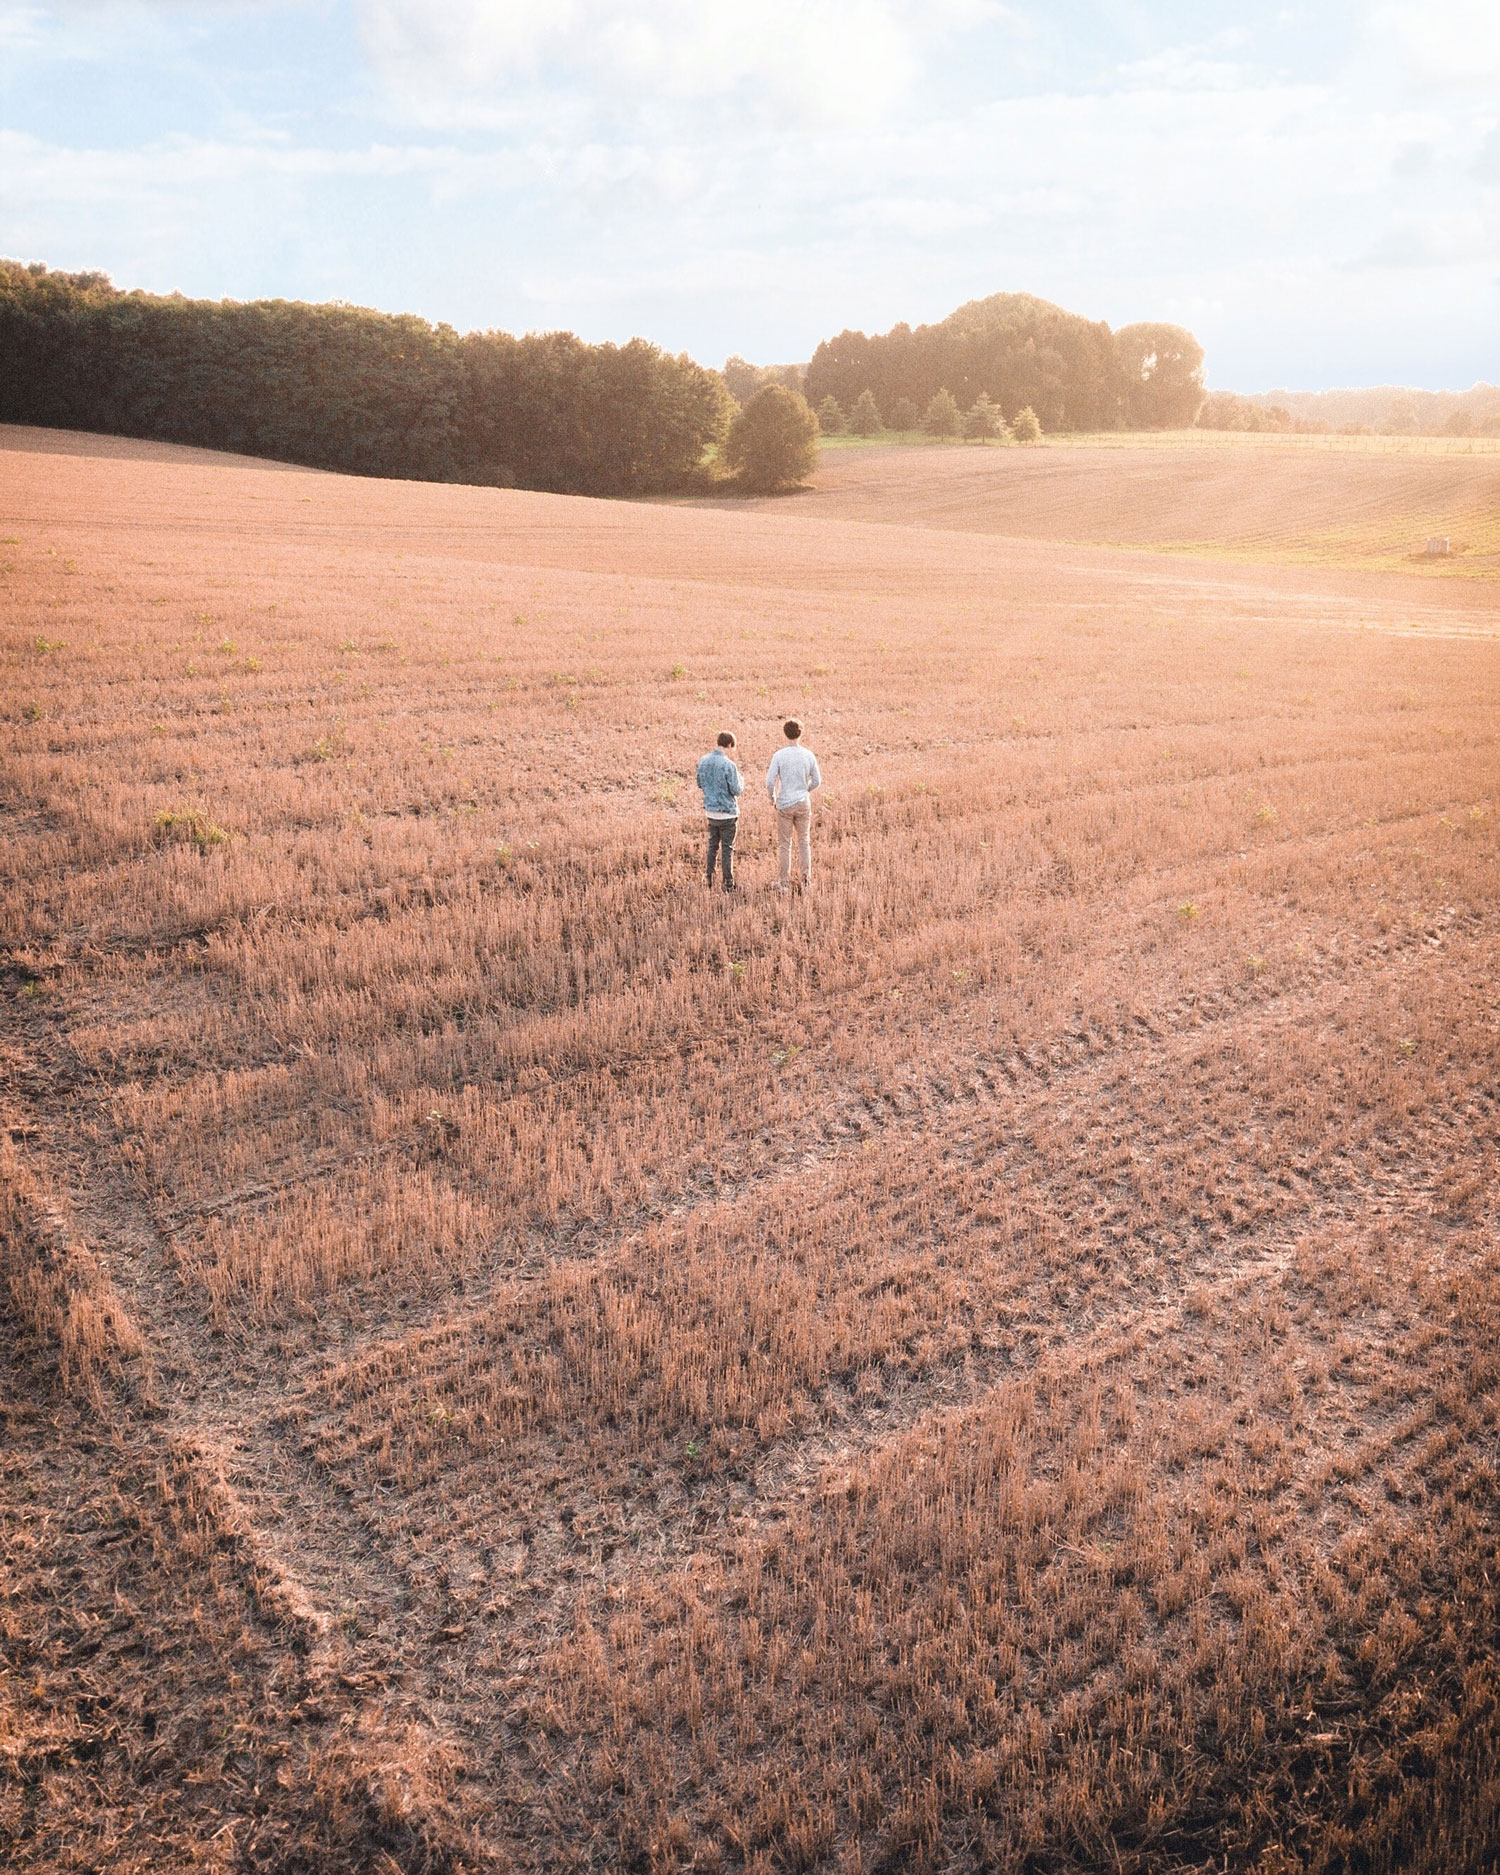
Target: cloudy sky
x,y
1315,189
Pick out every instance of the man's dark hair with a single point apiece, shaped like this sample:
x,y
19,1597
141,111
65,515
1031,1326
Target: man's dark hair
x,y
791,729
726,740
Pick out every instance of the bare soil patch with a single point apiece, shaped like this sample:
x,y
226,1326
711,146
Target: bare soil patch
x,y
522,1363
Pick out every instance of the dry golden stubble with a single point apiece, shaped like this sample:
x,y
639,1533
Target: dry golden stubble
x,y
578,1224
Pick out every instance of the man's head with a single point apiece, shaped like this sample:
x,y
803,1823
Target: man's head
x,y
726,739
791,729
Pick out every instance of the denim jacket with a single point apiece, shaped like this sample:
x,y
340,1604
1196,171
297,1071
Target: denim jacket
x,y
720,781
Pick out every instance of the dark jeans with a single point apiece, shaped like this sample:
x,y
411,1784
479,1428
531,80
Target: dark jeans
x,y
721,844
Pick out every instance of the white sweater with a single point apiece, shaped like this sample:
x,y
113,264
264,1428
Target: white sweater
x,y
792,776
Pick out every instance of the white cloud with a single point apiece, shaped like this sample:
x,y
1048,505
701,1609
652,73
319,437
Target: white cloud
x,y
1181,68
1428,242
182,165
20,27
824,60
1441,44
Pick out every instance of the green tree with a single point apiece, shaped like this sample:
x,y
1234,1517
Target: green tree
x,y
773,442
1162,366
1026,428
1014,347
831,419
983,420
743,378
864,419
941,415
905,415
1402,419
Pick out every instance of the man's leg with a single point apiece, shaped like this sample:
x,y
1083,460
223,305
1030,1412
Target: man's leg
x,y
714,827
727,830
803,817
784,831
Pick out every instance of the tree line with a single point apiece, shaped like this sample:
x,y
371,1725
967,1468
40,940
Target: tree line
x,y
983,421
1382,410
1019,353
341,387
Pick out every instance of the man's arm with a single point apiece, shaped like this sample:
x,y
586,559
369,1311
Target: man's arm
x,y
773,774
814,776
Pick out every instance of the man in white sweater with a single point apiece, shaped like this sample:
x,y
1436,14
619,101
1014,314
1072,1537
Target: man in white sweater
x,y
790,781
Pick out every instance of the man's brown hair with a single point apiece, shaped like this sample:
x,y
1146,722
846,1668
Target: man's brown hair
x,y
791,729
726,740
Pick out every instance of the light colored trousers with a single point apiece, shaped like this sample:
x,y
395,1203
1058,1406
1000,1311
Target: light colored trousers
x,y
794,823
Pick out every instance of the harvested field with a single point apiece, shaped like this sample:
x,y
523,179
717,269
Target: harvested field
x,y
1295,501
516,1362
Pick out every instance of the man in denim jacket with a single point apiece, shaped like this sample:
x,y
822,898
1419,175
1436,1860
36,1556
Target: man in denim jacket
x,y
721,784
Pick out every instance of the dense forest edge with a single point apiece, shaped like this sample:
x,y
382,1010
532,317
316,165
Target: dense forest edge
x,y
341,387
369,393
1021,353
346,388
1013,353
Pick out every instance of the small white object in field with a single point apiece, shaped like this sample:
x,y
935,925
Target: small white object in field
x,y
1438,547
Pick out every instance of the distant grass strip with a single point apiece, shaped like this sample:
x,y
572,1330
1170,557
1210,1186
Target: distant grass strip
x,y
1215,440
1475,551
